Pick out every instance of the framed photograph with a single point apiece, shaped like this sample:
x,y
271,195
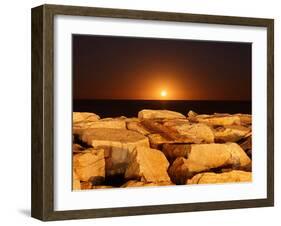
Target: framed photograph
x,y
141,112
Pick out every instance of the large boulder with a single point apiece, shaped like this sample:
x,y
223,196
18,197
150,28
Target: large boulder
x,y
114,123
79,117
245,119
216,119
173,151
159,114
197,130
220,120
89,164
149,165
231,133
137,126
217,155
97,137
157,141
227,177
168,133
204,157
117,143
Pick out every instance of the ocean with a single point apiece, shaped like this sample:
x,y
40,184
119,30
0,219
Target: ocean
x,y
130,108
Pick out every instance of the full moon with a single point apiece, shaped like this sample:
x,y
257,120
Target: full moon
x,y
163,93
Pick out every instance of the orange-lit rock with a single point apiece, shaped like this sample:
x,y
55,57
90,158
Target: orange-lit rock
x,y
117,143
149,165
76,148
89,164
216,119
168,133
116,123
101,187
83,117
86,185
159,114
231,133
75,182
160,148
204,157
245,119
135,183
173,151
196,130
136,126
227,177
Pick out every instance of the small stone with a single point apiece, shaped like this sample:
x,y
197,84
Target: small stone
x,y
86,185
192,114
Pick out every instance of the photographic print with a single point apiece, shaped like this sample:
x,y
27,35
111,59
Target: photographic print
x,y
160,112
145,112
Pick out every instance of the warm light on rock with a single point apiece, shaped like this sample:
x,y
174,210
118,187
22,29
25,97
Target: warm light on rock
x,y
160,147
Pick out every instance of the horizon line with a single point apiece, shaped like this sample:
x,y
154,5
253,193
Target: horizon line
x,y
158,99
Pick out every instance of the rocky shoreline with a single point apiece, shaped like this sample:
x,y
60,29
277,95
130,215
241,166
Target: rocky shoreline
x,y
160,147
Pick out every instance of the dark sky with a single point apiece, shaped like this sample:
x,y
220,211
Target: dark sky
x,y
108,67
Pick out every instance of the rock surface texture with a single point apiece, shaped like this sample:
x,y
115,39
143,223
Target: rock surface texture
x,y
160,148
149,165
159,114
205,157
89,164
227,177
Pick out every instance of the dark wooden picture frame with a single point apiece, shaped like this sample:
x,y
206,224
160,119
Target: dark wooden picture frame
x,y
42,203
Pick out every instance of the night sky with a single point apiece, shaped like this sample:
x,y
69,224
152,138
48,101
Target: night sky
x,y
108,67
